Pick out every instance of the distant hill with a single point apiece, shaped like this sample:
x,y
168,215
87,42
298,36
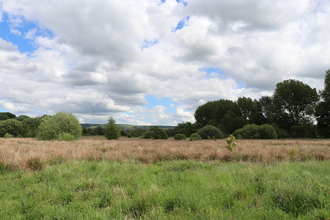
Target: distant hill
x,y
127,127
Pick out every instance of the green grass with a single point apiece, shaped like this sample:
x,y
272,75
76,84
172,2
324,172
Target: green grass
x,y
167,190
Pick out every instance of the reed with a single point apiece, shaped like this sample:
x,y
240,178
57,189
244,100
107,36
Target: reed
x,y
18,152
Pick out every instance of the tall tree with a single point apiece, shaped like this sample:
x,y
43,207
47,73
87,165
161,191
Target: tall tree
x,y
295,101
323,109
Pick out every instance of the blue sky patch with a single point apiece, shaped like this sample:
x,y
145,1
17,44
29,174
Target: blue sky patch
x,y
163,101
183,2
148,43
211,70
17,34
240,85
181,23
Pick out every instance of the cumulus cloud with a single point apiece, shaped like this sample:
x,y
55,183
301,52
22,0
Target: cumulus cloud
x,y
101,58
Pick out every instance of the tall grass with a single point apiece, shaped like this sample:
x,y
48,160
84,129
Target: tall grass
x,y
168,190
16,152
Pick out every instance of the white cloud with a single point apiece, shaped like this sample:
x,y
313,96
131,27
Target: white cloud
x,y
97,63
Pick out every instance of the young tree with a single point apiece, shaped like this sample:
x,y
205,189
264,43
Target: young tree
x,y
111,130
57,125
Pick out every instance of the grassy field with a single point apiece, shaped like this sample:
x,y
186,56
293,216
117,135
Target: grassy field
x,y
94,178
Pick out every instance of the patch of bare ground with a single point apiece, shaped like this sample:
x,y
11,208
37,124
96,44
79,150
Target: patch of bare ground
x,y
18,152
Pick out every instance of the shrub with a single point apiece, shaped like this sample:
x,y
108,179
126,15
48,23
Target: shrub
x,y
249,131
231,144
7,135
267,131
155,132
210,131
180,137
66,137
53,127
111,130
195,137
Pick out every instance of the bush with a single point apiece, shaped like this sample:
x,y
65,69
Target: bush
x,y
155,132
111,130
195,137
267,131
249,131
66,137
180,137
210,131
7,135
53,127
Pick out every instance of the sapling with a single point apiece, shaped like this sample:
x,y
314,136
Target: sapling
x,y
231,144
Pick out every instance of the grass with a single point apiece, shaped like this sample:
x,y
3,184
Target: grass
x,y
168,190
164,179
17,152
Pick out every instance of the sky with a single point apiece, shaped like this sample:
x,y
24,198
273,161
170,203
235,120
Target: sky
x,y
153,62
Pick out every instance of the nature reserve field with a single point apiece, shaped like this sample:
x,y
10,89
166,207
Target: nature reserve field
x,y
95,178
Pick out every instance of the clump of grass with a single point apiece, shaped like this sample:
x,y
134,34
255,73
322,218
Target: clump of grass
x,y
35,164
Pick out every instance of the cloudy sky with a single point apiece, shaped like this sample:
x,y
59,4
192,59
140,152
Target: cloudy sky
x,y
154,61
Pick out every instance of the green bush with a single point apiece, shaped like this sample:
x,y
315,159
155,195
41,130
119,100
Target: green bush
x,y
7,135
210,131
267,131
11,126
52,127
249,131
180,137
155,132
111,130
195,137
66,137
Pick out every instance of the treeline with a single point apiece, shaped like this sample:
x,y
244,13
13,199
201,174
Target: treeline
x,y
295,110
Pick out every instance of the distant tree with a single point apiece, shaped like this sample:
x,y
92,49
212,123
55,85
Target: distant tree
x,y
6,115
180,137
295,102
322,112
11,126
57,125
155,132
111,130
251,111
21,117
31,126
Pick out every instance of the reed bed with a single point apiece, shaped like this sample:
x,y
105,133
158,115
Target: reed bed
x,y
19,153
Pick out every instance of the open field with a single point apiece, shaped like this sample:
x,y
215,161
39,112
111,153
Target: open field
x,y
20,153
94,178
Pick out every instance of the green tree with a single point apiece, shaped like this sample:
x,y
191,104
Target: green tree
x,y
54,127
6,115
11,126
295,102
155,132
111,130
31,126
322,112
21,117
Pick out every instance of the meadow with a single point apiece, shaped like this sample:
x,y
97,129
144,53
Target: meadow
x,y
95,178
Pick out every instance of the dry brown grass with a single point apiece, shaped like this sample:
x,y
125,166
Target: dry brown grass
x,y
18,152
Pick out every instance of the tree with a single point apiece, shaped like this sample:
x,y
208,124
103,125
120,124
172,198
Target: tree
x,y
11,126
111,130
6,115
58,125
322,111
31,126
295,102
155,132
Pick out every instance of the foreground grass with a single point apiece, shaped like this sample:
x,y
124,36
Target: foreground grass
x,y
167,190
